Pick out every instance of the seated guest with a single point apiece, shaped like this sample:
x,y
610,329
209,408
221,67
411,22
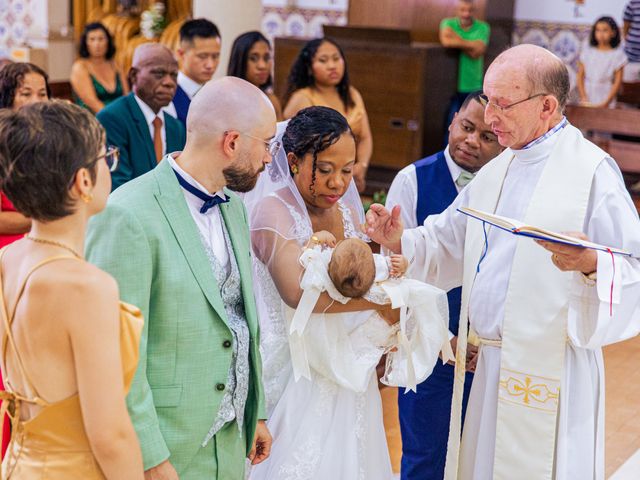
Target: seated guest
x,y
424,188
96,79
320,77
71,349
136,123
199,55
471,37
252,60
20,84
601,65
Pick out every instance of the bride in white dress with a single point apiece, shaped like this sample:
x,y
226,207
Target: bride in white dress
x,y
327,424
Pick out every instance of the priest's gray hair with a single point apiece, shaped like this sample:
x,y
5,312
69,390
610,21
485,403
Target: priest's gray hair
x,y
550,77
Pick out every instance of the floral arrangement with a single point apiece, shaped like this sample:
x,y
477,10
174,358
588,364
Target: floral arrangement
x,y
152,21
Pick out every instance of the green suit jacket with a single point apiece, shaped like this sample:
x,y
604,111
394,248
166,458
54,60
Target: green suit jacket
x,y
147,239
128,130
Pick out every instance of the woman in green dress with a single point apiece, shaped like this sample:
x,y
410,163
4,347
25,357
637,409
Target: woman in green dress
x,y
96,79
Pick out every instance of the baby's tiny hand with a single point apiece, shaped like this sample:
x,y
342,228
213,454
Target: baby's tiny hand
x,y
399,265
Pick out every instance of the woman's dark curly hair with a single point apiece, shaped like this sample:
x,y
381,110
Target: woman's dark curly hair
x,y
313,130
90,27
240,56
615,40
301,74
11,77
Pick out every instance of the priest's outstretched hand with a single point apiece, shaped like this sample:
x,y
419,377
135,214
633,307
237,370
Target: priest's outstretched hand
x,y
569,258
385,227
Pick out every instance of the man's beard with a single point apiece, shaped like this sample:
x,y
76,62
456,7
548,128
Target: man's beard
x,y
241,179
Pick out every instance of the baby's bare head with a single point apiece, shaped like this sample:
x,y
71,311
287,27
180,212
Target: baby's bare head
x,y
352,269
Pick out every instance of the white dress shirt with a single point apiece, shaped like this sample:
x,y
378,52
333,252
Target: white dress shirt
x,y
149,116
189,86
209,223
404,190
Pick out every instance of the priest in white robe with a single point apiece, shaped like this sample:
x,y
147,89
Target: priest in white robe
x,y
542,310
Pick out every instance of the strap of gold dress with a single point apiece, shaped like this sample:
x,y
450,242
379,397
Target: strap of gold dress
x,y
12,400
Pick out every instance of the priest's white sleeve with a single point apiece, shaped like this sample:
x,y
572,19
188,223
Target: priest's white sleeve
x,y
435,250
608,310
404,192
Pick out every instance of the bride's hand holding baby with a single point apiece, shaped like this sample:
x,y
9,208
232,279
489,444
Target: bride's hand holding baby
x,y
390,315
324,238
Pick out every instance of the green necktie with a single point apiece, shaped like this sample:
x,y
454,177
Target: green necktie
x,y
464,178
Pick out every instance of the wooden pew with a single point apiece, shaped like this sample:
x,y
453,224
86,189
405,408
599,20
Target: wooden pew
x,y
629,94
605,126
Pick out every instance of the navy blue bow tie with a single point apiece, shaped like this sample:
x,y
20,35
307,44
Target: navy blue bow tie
x,y
209,201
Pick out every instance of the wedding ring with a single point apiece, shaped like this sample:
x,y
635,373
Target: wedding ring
x,y
315,239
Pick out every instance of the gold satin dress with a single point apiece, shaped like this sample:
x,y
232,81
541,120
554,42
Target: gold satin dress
x,y
53,445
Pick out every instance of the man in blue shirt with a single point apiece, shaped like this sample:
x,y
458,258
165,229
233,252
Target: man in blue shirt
x,y
631,33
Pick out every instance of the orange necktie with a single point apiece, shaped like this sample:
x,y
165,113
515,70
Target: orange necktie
x,y
157,138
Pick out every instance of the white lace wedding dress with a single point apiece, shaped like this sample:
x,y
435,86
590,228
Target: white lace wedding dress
x,y
328,424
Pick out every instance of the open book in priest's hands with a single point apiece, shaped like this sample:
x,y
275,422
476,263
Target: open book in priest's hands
x,y
518,228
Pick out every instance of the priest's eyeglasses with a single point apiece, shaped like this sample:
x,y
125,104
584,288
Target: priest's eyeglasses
x,y
271,146
484,101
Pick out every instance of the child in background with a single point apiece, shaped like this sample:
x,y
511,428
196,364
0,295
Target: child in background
x,y
601,65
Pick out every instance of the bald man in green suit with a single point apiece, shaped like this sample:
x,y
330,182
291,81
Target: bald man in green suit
x,y
177,241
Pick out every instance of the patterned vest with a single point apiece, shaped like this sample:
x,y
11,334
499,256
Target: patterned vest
x,y
235,396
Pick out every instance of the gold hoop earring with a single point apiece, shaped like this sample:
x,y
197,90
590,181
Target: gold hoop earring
x,y
294,169
86,198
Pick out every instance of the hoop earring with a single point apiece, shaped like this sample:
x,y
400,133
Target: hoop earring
x,y
86,198
294,169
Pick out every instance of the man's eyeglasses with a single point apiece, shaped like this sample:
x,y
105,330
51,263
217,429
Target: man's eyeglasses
x,y
271,146
484,101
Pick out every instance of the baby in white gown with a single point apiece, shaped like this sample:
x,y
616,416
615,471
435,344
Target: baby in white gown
x,y
328,422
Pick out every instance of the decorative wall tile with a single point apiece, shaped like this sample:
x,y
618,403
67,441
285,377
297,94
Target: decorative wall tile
x,y
295,25
536,36
563,39
16,17
301,22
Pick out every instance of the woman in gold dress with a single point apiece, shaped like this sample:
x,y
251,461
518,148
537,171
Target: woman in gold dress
x,y
319,77
69,348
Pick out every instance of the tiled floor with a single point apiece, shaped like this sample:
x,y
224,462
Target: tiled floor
x,y
622,428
